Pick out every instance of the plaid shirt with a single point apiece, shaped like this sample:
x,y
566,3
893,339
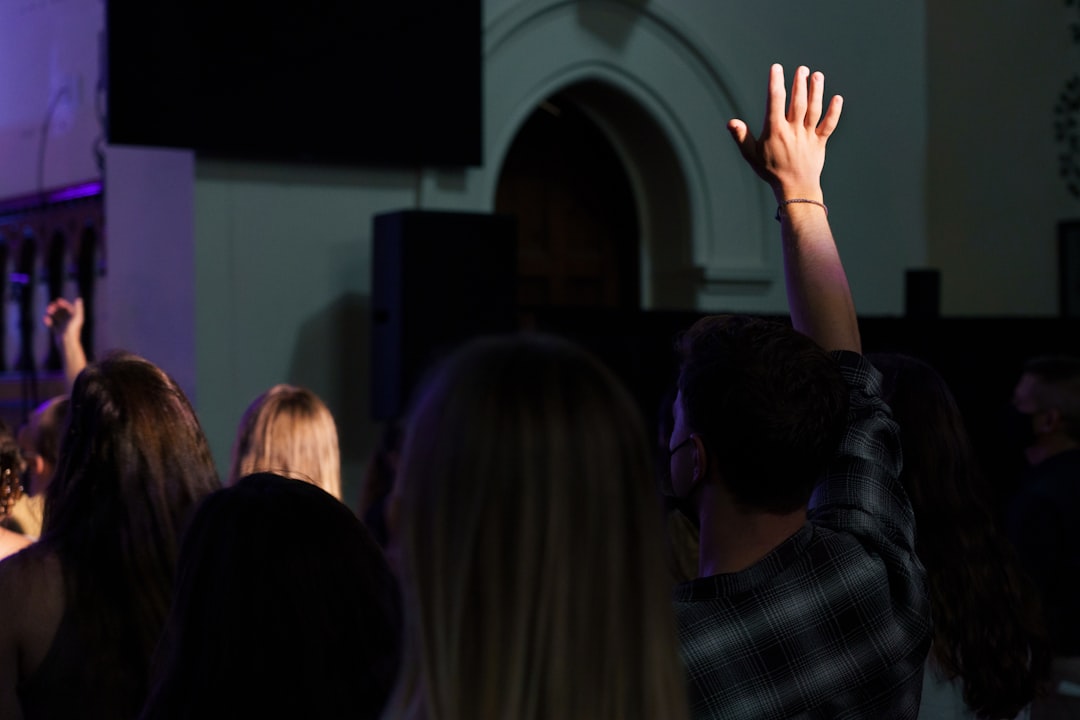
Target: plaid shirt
x,y
835,622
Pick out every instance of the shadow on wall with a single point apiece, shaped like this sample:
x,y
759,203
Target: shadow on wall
x,y
332,357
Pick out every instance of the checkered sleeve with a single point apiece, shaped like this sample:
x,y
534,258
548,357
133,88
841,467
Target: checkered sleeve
x,y
861,492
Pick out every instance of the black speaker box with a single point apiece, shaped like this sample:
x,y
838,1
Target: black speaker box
x,y
438,279
922,293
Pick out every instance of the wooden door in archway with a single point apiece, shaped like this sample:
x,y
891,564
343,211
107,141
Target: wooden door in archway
x,y
578,235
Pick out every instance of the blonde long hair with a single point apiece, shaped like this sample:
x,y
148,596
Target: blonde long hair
x,y
530,547
288,430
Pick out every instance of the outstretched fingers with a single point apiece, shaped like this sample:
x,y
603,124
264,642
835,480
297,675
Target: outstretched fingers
x,y
797,109
832,117
774,104
816,93
789,152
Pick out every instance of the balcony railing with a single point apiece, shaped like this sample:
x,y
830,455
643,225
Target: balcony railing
x,y
51,245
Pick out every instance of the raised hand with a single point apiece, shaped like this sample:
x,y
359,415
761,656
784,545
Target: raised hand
x,y
790,153
65,319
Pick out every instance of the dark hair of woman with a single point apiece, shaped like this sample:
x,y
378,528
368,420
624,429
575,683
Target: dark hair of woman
x,y
988,632
133,463
285,608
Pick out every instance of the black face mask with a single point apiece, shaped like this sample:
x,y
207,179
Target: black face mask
x,y
671,499
1017,427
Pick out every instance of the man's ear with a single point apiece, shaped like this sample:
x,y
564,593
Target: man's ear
x,y
701,458
38,465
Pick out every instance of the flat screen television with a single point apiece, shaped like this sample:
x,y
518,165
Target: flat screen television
x,y
362,82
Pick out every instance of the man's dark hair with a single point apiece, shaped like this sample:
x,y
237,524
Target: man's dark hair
x,y
1054,368
768,403
1058,387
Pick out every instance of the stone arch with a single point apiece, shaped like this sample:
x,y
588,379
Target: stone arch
x,y
664,105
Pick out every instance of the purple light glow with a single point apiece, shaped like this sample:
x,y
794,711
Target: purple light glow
x,y
74,192
38,200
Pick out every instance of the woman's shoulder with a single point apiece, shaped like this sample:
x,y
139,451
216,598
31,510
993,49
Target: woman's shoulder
x,y
31,583
31,565
11,542
31,600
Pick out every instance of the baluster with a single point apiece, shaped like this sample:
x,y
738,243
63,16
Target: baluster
x,y
87,267
5,257
54,282
22,285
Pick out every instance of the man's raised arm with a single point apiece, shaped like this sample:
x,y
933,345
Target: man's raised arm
x,y
789,155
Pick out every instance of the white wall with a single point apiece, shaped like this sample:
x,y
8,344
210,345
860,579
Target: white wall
x,y
994,194
147,304
48,70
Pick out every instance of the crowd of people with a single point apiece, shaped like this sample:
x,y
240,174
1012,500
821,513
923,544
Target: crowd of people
x,y
826,551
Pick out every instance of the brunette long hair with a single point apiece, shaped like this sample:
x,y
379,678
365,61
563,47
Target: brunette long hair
x,y
988,632
133,462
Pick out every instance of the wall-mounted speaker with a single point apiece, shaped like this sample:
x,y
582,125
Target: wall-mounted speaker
x,y
438,279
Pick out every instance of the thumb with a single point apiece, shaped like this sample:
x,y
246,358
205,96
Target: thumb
x,y
738,131
746,142
78,307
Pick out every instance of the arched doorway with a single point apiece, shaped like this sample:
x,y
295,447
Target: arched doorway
x,y
578,233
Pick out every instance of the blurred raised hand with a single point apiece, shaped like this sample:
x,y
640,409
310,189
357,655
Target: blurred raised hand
x,y
65,319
